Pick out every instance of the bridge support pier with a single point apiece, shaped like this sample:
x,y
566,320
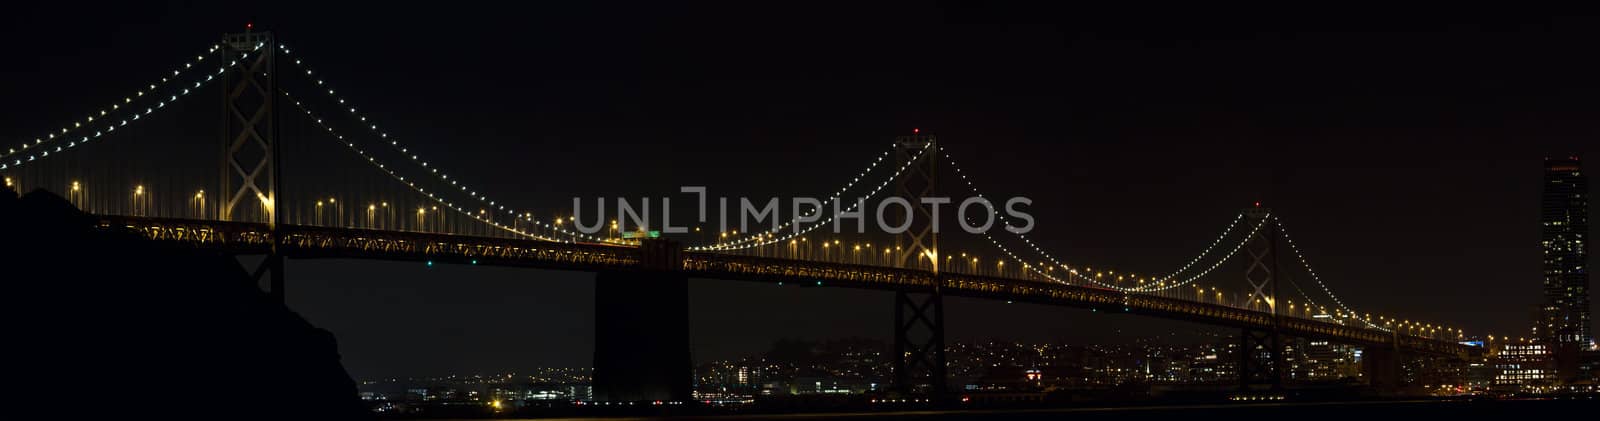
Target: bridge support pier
x,y
641,338
1382,366
1260,360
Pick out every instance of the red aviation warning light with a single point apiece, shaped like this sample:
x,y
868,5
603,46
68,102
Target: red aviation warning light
x,y
249,25
1258,204
915,131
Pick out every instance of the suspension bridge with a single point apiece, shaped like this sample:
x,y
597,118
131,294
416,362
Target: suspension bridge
x,y
294,170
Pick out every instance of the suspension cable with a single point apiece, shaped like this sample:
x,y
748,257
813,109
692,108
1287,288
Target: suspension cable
x,y
116,107
434,170
1073,271
1070,270
385,168
1284,232
40,151
796,219
1207,250
853,206
1208,270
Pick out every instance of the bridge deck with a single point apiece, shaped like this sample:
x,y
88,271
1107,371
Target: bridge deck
x,y
321,242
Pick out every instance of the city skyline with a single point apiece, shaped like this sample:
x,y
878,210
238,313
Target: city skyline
x,y
859,367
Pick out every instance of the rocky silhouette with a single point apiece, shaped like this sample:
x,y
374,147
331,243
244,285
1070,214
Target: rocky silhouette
x,y
105,323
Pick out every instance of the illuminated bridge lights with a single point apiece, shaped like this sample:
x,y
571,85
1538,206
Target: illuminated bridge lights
x,y
314,242
1040,281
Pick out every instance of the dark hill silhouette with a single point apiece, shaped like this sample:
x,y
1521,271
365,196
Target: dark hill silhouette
x,y
108,323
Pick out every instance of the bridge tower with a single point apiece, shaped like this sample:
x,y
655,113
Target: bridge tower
x,y
919,359
1261,350
249,160
641,329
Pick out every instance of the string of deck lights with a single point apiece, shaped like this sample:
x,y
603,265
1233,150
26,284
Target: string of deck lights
x,y
831,198
773,239
415,158
17,162
1307,264
115,107
385,168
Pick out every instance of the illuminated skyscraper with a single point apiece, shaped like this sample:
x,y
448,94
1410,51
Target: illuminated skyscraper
x,y
1564,316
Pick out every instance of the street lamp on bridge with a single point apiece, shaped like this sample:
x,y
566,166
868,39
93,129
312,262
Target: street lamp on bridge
x,y
199,203
139,200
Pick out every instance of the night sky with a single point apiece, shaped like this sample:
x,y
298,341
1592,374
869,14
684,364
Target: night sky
x,y
1403,152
